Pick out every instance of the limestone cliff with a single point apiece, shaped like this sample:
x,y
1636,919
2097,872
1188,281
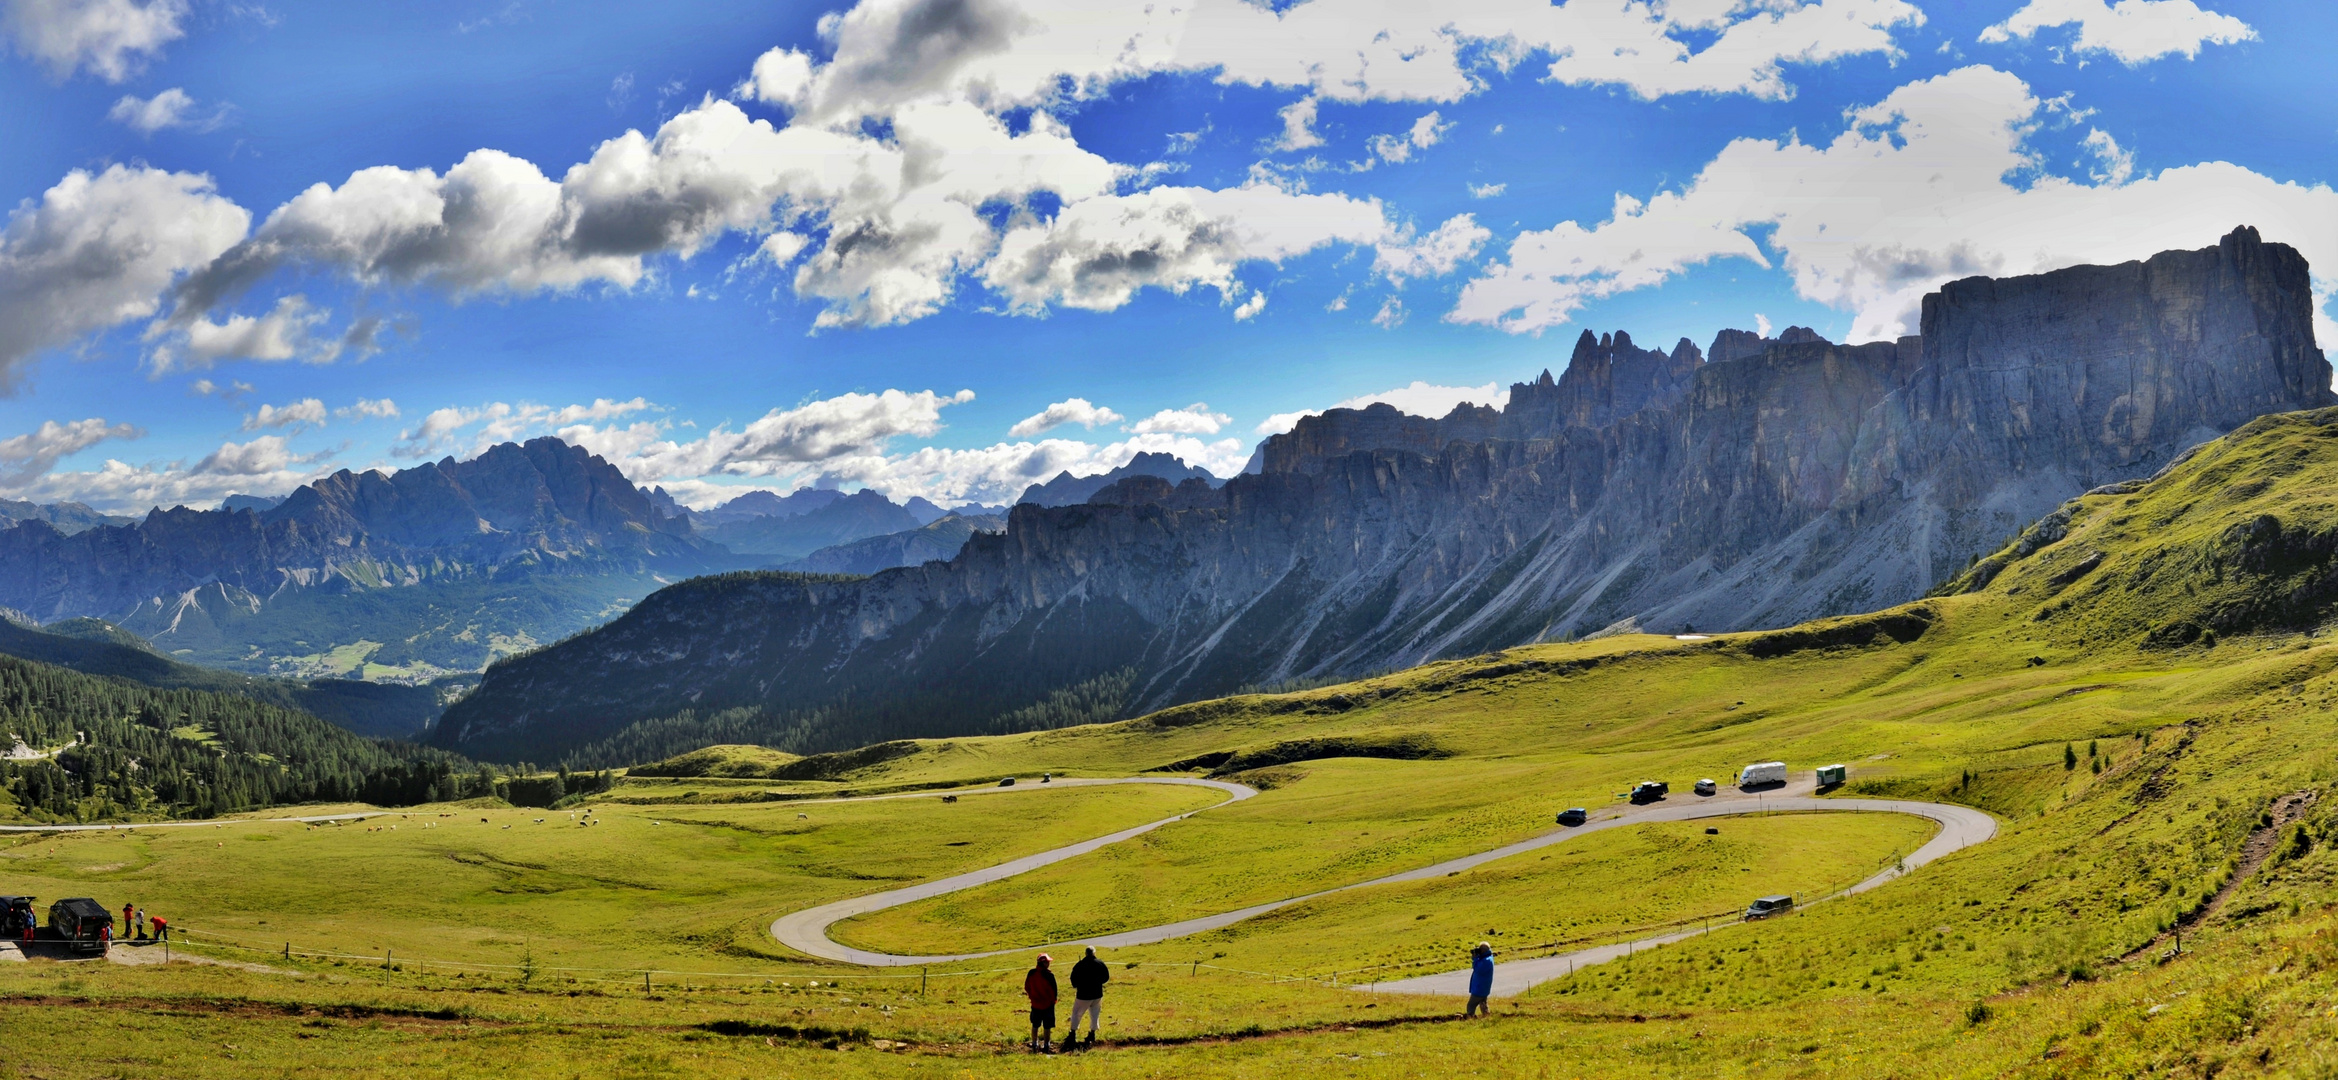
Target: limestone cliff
x,y
1784,480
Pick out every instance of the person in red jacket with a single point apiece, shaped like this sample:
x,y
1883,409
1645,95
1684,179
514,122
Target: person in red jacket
x,y
1039,986
161,928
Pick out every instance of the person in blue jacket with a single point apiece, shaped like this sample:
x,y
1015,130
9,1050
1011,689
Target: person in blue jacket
x,y
1481,978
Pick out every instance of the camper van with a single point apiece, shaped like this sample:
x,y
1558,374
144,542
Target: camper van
x,y
82,924
1762,774
1832,775
1768,906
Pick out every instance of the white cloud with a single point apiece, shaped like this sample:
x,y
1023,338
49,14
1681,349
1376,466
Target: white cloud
x,y
264,466
1487,191
1006,53
1072,411
782,247
1098,252
475,429
1918,194
109,38
1435,255
97,250
286,332
171,108
1298,126
308,412
371,409
1425,133
2113,166
2134,31
1194,419
1418,398
1391,314
27,457
1250,308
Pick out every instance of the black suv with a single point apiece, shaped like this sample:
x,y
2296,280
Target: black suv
x,y
82,924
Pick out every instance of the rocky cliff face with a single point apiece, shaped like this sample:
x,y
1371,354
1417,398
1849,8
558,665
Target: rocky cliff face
x,y
1795,478
516,510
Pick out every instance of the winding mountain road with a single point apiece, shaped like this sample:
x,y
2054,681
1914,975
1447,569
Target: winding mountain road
x,y
807,931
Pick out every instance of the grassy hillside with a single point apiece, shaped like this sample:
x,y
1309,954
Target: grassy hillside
x,y
2140,690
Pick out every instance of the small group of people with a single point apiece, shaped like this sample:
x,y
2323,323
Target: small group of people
x,y
136,926
1088,979
1091,973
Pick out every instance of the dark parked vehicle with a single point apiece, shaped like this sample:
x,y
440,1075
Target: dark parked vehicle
x,y
1573,816
83,924
17,919
1648,791
1768,906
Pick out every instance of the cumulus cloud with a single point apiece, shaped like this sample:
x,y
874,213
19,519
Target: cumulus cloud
x,y
97,250
171,108
264,466
475,429
1487,191
308,412
1007,53
27,457
1425,133
1249,309
370,409
1391,314
1418,398
1298,126
288,331
2134,31
1435,255
1096,253
108,38
1194,419
1071,411
1920,191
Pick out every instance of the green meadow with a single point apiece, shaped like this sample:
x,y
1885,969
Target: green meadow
x,y
2133,692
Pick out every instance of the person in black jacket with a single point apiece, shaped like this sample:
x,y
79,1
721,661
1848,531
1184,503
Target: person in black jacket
x,y
1088,979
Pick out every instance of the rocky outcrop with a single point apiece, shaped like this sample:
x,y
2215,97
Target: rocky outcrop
x,y
1664,491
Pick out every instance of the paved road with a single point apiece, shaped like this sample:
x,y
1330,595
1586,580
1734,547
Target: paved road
x,y
1960,827
807,931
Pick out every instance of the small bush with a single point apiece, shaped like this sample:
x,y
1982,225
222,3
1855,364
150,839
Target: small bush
x,y
1978,1013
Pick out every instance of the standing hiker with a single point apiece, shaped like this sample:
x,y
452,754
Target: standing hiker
x,y
129,913
1088,979
141,924
1481,979
1039,986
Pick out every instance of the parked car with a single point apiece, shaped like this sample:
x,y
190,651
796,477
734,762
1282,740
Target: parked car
x,y
17,918
1706,786
1762,774
1648,791
1008,782
83,924
1832,775
1768,906
1574,815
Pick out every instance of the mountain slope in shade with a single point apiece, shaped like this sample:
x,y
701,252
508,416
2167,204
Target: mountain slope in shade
x,y
1642,488
67,518
937,540
438,567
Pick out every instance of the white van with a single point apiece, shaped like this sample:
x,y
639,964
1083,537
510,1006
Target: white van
x,y
1762,773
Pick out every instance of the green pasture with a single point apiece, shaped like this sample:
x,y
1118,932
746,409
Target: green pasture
x,y
2129,700
681,889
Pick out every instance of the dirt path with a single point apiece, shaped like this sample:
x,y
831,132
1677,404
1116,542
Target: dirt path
x,y
2262,840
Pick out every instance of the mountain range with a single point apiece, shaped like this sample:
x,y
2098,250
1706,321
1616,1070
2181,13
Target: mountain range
x,y
1755,483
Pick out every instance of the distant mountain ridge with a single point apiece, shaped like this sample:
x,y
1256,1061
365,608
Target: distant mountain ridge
x,y
65,517
940,539
422,551
1795,479
1069,490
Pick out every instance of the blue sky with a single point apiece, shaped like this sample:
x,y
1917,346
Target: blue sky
x,y
947,247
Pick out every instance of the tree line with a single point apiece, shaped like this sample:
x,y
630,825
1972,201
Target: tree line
x,y
116,749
